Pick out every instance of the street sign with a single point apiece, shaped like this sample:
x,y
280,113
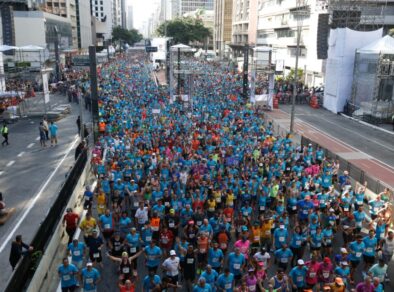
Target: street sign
x,y
151,49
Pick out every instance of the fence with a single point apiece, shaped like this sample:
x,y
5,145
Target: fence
x,y
356,173
26,267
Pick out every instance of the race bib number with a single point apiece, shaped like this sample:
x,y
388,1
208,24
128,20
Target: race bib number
x,y
171,225
326,275
358,254
312,274
89,281
298,242
256,238
284,260
236,266
227,286
252,288
133,249
126,270
262,208
346,209
281,238
223,245
294,207
369,249
202,250
77,253
190,261
136,204
167,204
107,226
96,255
66,278
149,238
300,279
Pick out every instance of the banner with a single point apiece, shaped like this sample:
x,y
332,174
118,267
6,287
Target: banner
x,y
45,86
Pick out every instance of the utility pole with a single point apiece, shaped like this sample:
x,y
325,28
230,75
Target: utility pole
x,y
57,55
301,12
245,73
93,90
179,71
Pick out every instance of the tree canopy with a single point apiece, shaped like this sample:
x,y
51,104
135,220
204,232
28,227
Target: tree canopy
x,y
184,30
128,36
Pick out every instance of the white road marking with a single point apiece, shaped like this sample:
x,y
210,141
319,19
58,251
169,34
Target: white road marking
x,y
1,172
10,163
38,138
30,145
35,199
21,154
32,122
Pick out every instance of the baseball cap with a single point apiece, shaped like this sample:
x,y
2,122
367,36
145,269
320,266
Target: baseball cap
x,y
300,262
172,211
344,263
343,250
89,264
125,254
172,252
327,260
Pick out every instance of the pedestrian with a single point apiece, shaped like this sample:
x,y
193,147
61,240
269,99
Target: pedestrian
x,y
70,220
17,252
90,277
79,125
4,133
41,130
45,127
68,275
53,131
79,149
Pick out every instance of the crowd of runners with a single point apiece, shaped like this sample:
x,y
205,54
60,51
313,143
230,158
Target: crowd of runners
x,y
213,200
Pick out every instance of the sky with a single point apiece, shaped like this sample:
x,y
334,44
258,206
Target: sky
x,y
142,9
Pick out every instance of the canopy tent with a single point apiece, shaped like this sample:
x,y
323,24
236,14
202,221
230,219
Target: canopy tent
x,y
31,48
385,45
4,48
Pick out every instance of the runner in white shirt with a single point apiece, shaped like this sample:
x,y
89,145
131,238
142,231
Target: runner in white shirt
x,y
262,256
141,215
172,267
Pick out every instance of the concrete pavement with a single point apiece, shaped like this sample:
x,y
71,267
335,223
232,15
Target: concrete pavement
x,y
30,178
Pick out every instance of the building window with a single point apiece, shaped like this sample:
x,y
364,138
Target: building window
x,y
293,52
285,33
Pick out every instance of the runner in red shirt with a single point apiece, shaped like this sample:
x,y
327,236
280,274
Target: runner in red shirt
x,y
70,220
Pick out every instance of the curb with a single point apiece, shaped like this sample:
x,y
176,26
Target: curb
x,y
367,124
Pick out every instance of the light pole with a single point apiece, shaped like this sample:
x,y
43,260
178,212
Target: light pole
x,y
301,11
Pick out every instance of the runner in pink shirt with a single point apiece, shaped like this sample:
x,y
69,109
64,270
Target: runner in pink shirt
x,y
243,245
311,275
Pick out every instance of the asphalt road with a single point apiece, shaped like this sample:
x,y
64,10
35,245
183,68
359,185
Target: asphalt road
x,y
30,178
375,143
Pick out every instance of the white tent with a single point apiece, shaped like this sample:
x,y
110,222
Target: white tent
x,y
385,45
4,48
31,48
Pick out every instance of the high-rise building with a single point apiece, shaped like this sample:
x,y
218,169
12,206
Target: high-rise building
x,y
84,24
67,9
192,5
244,25
129,18
123,13
104,12
222,25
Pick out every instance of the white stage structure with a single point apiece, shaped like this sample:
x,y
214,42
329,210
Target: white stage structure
x,y
343,43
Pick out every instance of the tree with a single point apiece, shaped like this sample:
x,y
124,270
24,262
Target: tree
x,y
184,30
130,37
300,75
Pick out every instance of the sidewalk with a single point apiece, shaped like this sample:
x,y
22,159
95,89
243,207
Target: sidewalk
x,y
351,141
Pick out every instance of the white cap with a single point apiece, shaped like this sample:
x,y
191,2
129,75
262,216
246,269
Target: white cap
x,y
300,262
89,264
172,252
332,210
343,250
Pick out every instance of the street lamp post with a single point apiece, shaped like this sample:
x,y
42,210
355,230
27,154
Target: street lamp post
x,y
301,11
245,72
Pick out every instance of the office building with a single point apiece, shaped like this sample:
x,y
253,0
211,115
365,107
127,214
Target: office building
x,y
222,26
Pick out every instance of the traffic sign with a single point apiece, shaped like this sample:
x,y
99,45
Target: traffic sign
x,y
151,49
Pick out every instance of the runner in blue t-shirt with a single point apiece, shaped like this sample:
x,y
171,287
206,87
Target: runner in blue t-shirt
x,y
90,277
67,273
